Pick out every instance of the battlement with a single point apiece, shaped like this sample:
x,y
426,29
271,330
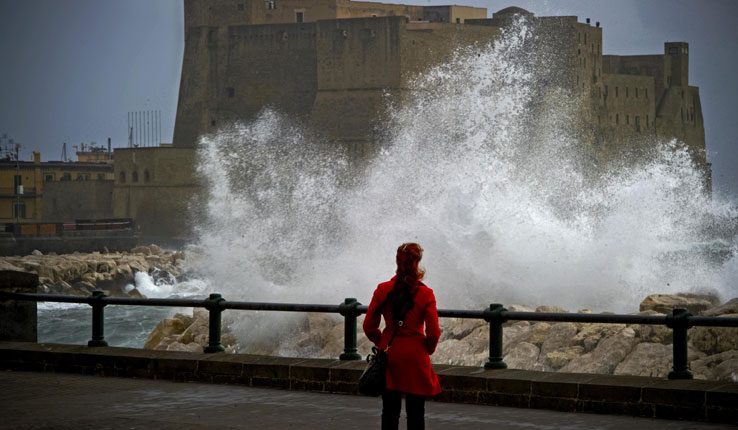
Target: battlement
x,y
215,13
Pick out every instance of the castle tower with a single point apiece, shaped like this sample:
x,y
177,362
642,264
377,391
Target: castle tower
x,y
677,53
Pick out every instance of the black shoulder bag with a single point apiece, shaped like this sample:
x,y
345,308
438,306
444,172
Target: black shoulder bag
x,y
373,380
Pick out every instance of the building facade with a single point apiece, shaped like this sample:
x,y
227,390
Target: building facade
x,y
34,191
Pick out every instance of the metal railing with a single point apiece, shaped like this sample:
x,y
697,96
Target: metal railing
x,y
680,320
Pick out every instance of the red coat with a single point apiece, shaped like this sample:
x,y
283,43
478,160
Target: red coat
x,y
409,368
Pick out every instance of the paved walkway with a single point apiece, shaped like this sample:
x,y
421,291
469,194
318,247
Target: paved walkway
x,y
37,401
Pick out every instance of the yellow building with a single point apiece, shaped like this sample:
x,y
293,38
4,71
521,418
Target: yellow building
x,y
33,191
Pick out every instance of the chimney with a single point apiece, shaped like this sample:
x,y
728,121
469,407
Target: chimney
x,y
36,157
587,20
597,24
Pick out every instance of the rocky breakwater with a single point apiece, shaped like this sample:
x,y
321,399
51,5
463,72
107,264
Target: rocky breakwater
x,y
112,272
620,349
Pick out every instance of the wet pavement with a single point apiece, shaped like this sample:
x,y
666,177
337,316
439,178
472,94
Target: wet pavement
x,y
30,400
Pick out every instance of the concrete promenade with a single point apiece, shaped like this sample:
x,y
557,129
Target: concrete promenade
x,y
33,400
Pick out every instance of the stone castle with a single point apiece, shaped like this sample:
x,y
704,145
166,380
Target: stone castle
x,y
329,63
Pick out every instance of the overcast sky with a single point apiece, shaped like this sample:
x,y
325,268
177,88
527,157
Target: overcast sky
x,y
71,70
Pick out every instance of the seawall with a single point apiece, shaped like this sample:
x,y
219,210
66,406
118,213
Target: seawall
x,y
713,401
10,245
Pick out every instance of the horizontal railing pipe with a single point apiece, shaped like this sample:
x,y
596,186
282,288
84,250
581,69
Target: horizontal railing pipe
x,y
496,315
587,318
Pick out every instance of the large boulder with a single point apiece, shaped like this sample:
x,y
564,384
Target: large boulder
x,y
524,356
459,328
538,333
591,334
513,334
714,340
551,309
458,353
559,358
609,352
654,333
560,336
729,307
647,359
722,366
664,303
167,327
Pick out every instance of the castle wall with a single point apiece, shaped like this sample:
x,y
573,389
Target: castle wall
x,y
357,61
680,117
286,11
267,66
443,40
155,186
453,14
629,100
359,9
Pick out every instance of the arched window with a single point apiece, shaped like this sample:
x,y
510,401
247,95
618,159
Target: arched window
x,y
122,177
134,176
147,175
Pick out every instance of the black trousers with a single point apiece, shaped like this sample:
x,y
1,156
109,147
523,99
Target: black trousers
x,y
414,407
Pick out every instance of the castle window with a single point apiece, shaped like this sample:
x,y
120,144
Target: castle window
x,y
271,4
212,123
458,20
617,118
616,91
240,6
100,177
66,177
638,123
300,16
627,119
231,92
147,176
636,92
134,176
122,177
49,178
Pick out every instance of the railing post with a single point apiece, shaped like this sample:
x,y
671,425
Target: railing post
x,y
98,319
349,311
212,304
678,321
493,315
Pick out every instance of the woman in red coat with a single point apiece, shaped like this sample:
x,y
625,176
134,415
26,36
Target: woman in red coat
x,y
412,332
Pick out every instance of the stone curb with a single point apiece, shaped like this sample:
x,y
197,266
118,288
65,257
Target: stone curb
x,y
697,400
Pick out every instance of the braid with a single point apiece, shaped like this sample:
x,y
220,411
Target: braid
x,y
408,276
